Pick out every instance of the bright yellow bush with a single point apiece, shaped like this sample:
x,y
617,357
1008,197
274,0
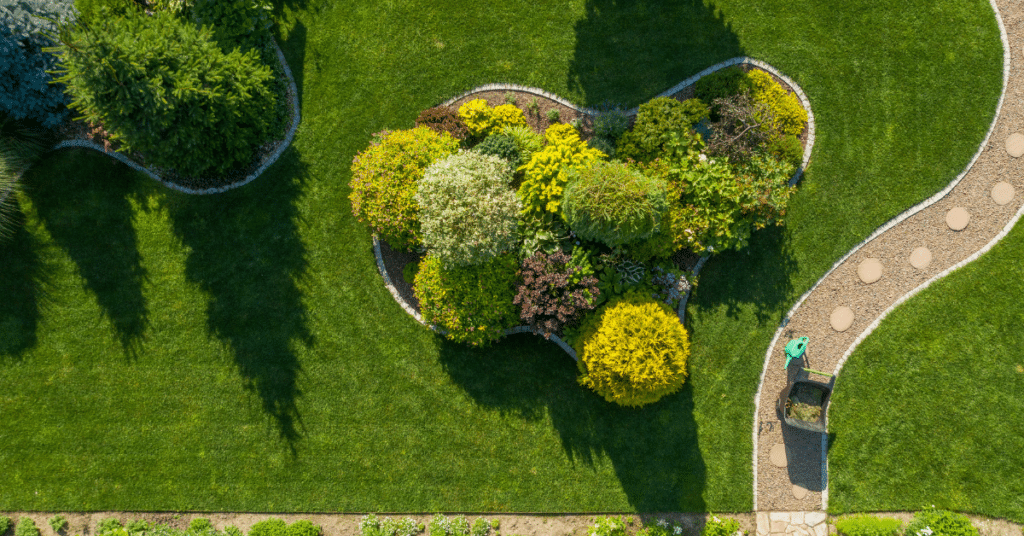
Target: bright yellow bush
x,y
482,120
633,351
790,116
547,172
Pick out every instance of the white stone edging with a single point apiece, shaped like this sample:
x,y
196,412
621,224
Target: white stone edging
x,y
885,227
293,105
739,60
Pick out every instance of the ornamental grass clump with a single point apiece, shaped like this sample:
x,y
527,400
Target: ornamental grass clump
x,y
548,170
633,351
472,304
468,212
555,290
614,204
384,182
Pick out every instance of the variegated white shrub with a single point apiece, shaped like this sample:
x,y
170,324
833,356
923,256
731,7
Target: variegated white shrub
x,y
468,211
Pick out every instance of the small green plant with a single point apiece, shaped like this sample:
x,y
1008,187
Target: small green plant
x,y
108,524
495,524
611,124
58,523
232,530
409,271
269,527
866,525
608,526
934,522
534,106
371,525
480,527
443,526
5,524
136,526
510,98
716,526
303,527
553,115
200,525
26,527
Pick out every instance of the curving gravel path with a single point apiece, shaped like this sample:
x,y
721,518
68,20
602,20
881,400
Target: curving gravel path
x,y
898,260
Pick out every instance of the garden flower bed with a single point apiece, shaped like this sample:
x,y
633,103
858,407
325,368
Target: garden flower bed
x,y
508,210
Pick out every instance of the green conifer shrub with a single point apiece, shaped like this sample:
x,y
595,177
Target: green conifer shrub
x,y
162,87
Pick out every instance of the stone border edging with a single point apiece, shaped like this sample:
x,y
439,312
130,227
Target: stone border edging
x,y
738,60
293,105
885,227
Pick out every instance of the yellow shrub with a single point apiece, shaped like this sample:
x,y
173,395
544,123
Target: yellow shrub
x,y
507,115
548,170
478,116
790,116
633,351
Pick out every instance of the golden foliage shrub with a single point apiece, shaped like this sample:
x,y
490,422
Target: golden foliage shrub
x,y
633,351
548,170
790,116
483,120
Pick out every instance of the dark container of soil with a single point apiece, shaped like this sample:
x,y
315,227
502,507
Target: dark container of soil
x,y
802,403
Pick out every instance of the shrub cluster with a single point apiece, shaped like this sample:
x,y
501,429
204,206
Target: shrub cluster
x,y
26,88
633,351
384,182
866,525
613,204
468,211
473,304
548,170
940,523
164,88
555,290
443,119
482,120
654,119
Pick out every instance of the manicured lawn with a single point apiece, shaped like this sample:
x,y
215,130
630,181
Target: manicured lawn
x,y
239,352
930,408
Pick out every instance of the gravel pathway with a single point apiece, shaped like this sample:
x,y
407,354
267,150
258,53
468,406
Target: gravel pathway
x,y
897,261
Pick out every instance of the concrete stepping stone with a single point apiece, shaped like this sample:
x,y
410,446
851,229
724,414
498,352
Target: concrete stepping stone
x,y
1002,193
778,455
870,270
920,258
799,491
958,218
841,319
1015,144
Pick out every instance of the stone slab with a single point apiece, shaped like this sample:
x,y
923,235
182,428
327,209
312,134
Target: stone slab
x,y
763,524
799,491
1002,193
778,458
813,519
797,518
821,530
958,218
1015,144
841,318
920,258
779,526
869,270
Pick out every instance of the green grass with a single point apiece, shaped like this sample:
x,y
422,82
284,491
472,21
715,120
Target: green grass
x,y
239,352
930,407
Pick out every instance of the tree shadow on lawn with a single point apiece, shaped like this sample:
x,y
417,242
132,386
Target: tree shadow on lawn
x,y
83,200
653,449
294,47
246,254
758,275
627,51
23,284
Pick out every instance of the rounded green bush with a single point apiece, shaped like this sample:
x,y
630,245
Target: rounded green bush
x,y
653,121
473,304
269,527
502,146
614,204
384,182
468,210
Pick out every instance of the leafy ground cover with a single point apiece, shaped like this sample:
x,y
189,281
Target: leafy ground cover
x,y
239,352
956,347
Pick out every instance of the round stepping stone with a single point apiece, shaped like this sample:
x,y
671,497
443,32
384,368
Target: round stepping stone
x,y
799,491
870,270
958,218
1002,193
778,455
920,258
842,318
1015,144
